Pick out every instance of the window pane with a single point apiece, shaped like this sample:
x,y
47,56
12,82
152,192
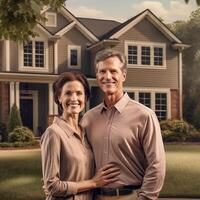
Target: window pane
x,y
131,95
39,54
74,57
158,56
145,98
132,54
161,106
145,57
28,52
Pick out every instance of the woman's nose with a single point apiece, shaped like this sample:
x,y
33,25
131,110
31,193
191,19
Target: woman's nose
x,y
74,96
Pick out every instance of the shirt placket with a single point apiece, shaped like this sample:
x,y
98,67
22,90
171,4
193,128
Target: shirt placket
x,y
109,120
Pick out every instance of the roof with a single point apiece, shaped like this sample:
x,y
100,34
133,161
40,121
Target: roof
x,y
99,26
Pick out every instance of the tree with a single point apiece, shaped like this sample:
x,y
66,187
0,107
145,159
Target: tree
x,y
189,31
19,17
14,118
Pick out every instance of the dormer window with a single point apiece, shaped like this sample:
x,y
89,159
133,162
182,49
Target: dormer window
x,y
51,19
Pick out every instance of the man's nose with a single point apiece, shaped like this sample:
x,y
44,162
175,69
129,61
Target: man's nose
x,y
108,75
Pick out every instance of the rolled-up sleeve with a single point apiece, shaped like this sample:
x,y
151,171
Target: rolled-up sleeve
x,y
155,155
51,148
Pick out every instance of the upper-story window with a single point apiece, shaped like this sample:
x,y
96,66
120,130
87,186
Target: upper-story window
x,y
51,19
74,57
34,56
145,55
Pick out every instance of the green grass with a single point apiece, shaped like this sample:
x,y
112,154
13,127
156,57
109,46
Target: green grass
x,y
183,171
20,173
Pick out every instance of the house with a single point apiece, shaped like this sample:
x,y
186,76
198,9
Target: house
x,y
65,42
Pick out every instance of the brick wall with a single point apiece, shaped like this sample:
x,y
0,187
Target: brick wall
x,y
4,101
175,104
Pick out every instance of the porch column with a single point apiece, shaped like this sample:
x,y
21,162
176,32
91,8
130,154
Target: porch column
x,y
56,57
51,103
180,86
7,45
14,94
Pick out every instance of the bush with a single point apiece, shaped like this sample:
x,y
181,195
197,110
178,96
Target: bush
x,y
21,134
175,130
14,118
193,137
3,132
19,144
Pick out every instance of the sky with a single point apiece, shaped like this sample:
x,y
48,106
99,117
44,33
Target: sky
x,y
121,10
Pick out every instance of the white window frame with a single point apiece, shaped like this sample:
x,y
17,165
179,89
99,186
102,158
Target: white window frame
x,y
78,48
139,55
33,68
153,92
47,23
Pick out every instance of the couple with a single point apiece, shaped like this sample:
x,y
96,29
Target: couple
x,y
124,135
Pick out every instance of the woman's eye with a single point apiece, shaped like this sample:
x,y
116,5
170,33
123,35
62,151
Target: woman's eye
x,y
79,93
68,93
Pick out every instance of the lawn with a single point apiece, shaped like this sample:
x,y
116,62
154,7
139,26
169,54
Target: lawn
x,y
20,173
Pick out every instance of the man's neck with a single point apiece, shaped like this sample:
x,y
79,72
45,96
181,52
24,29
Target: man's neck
x,y
112,99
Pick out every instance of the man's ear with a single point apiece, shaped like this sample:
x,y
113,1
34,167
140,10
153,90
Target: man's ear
x,y
124,72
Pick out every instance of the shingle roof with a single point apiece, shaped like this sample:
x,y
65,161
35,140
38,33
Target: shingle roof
x,y
99,27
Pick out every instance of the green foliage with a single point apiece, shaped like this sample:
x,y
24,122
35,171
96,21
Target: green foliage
x,y
174,130
3,132
197,2
14,118
18,18
34,143
21,134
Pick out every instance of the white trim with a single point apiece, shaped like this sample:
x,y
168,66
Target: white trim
x,y
82,28
47,23
33,68
17,94
66,29
153,20
51,104
180,85
7,44
34,97
12,94
45,8
139,45
56,57
78,48
153,91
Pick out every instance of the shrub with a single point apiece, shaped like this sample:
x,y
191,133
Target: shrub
x,y
193,137
14,118
21,134
175,130
3,132
34,143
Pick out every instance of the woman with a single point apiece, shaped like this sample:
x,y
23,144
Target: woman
x,y
67,160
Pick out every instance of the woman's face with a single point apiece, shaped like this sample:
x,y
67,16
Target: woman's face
x,y
72,97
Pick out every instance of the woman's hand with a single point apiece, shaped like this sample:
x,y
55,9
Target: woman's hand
x,y
107,174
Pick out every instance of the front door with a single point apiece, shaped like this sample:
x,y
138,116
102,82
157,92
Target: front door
x,y
26,110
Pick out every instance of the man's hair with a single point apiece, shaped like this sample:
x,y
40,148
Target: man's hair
x,y
107,53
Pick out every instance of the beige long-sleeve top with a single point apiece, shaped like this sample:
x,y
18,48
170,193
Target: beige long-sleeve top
x,y
129,135
66,159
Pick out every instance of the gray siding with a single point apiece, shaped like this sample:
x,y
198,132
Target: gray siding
x,y
61,22
13,56
147,32
1,55
51,56
73,37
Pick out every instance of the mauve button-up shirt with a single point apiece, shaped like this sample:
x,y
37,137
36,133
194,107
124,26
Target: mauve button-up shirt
x,y
129,135
66,159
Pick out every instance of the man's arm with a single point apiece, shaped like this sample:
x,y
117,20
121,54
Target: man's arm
x,y
154,151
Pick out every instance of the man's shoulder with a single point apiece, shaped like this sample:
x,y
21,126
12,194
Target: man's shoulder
x,y
96,109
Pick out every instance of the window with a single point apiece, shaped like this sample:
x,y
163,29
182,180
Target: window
x,y
132,54
51,19
145,98
148,55
158,100
74,57
34,55
161,105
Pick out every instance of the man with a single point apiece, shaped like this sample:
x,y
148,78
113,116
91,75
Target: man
x,y
125,132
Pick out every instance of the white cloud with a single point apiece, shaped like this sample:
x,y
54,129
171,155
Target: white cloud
x,y
176,11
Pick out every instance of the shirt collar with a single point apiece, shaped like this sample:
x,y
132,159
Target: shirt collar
x,y
120,105
64,126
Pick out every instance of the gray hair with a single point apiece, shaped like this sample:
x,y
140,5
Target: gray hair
x,y
107,53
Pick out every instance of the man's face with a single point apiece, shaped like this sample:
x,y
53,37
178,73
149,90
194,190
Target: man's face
x,y
110,76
